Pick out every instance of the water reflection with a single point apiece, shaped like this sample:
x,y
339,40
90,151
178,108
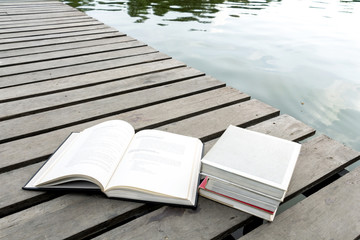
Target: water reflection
x,y
196,11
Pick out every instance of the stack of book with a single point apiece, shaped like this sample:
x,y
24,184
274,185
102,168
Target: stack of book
x,y
249,171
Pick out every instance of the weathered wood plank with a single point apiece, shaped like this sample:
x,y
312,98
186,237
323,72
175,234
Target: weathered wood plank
x,y
154,115
209,224
337,155
331,213
36,29
12,183
36,22
86,80
31,59
24,151
43,33
43,75
62,46
72,115
85,31
43,16
91,35
76,96
87,214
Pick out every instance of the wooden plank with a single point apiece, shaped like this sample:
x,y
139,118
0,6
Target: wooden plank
x,y
89,31
43,33
11,196
99,210
36,22
63,46
207,223
35,29
86,80
47,102
65,54
331,213
38,76
91,35
128,49
12,183
71,115
337,154
43,16
25,151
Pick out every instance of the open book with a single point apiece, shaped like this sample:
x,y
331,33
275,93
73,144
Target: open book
x,y
150,165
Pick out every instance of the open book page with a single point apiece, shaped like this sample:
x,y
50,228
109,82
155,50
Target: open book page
x,y
95,154
159,162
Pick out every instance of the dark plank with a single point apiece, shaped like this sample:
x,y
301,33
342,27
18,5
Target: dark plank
x,y
146,117
331,213
206,222
76,96
91,35
25,52
69,57
71,115
86,80
132,59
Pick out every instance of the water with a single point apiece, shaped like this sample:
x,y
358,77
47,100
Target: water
x,y
300,56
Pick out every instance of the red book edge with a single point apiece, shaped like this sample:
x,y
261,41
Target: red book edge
x,y
203,186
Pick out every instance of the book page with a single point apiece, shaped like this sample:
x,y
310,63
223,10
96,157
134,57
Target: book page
x,y
95,153
159,162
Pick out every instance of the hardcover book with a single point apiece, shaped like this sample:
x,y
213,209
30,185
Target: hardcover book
x,y
253,161
150,165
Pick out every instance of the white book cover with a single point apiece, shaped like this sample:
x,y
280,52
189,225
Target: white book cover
x,y
251,159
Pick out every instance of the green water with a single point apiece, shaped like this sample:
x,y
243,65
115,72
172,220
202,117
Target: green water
x,y
300,56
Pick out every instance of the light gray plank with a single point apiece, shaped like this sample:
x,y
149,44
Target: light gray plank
x,y
44,33
35,29
150,116
69,57
331,213
70,115
253,111
85,31
337,156
85,68
62,46
208,223
13,198
36,22
76,96
87,79
43,16
91,35
56,219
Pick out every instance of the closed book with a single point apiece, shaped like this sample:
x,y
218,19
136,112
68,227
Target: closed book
x,y
235,203
253,160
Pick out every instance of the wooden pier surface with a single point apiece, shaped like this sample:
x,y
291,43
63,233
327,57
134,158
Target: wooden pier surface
x,y
62,71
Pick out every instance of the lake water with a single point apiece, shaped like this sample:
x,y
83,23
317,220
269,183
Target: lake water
x,y
300,56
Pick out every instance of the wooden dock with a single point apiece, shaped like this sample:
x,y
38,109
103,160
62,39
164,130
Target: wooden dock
x,y
62,71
